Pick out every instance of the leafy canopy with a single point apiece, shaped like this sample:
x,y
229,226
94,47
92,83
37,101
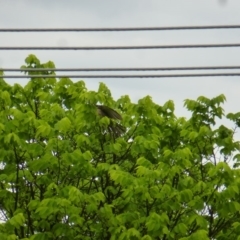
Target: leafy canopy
x,y
63,175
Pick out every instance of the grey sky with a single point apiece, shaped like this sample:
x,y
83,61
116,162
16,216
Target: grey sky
x,y
134,13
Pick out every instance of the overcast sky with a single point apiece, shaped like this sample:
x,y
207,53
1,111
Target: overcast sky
x,y
130,13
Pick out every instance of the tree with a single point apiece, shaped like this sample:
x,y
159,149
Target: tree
x,y
64,175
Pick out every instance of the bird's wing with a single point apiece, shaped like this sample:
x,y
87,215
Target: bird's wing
x,y
108,112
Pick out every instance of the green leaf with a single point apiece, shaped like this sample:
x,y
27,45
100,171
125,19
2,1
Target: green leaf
x,y
87,155
63,125
186,195
43,130
6,97
169,105
146,237
181,228
17,220
200,234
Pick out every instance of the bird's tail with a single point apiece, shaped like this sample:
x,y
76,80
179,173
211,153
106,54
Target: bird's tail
x,y
116,128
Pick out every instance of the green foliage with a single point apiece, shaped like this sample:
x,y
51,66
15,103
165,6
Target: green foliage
x,y
63,175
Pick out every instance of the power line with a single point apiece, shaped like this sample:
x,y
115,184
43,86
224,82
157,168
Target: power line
x,y
118,69
119,29
127,76
125,47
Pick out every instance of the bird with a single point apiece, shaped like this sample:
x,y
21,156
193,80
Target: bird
x,y
105,111
114,127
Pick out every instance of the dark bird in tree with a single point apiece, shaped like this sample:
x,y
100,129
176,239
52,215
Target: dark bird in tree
x,y
114,127
105,111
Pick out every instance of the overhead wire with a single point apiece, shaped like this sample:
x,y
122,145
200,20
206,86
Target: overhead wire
x,y
123,47
118,69
126,76
119,29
